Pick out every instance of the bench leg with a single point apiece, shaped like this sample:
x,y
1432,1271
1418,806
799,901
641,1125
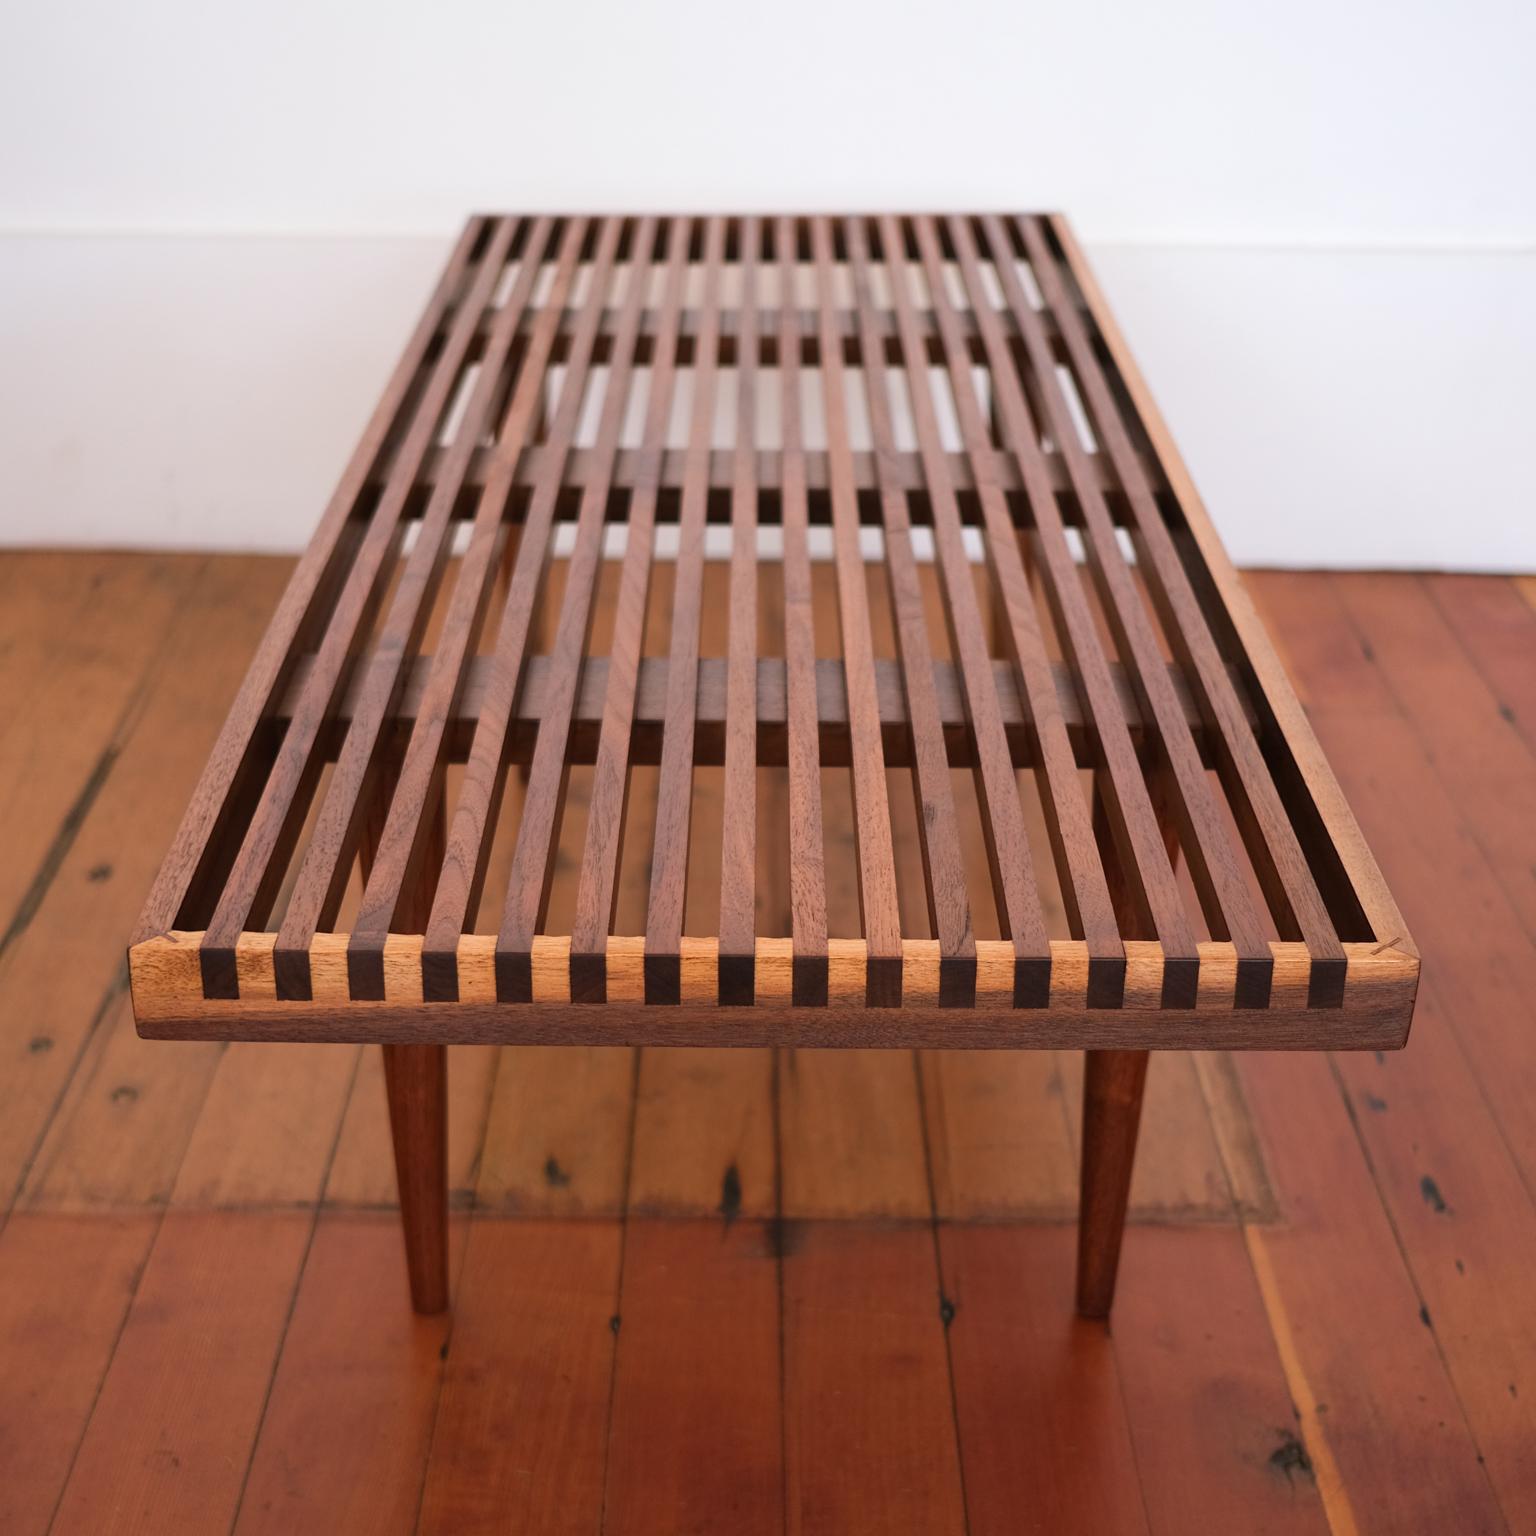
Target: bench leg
x,y
1112,1086
416,1080
416,1084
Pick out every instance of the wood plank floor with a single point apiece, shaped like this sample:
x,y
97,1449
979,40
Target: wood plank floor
x,y
751,1291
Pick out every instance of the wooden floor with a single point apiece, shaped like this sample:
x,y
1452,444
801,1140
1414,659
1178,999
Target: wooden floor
x,y
740,1291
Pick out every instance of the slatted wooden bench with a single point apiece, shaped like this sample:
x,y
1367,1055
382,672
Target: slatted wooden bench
x,y
1043,701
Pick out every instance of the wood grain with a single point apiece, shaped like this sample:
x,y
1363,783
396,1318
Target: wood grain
x,y
66,1283
949,915
1379,1369
348,801
256,871
344,1438
695,1432
1379,993
738,853
674,786
460,880
172,1428
863,1305
58,981
597,890
407,848
1041,1419
533,859
520,1432
1206,1400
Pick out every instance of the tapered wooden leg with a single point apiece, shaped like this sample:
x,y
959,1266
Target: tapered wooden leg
x,y
416,1080
1112,1086
416,1083
1113,1082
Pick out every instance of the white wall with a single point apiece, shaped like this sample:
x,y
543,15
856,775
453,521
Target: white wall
x,y
1317,221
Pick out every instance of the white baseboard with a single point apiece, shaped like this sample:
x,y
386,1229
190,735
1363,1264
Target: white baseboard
x,y
1338,408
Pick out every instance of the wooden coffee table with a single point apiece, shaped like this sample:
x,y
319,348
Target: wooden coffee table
x,y
1045,702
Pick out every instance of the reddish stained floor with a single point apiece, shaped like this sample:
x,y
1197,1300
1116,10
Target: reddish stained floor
x,y
735,1292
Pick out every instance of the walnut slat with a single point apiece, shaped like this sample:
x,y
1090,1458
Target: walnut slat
x,y
1127,798
400,844
460,879
1281,867
1018,897
738,843
872,814
949,916
253,880
356,783
906,389
1085,892
1228,906
596,893
533,862
674,795
807,848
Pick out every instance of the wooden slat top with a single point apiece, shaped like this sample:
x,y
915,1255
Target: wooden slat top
x,y
839,574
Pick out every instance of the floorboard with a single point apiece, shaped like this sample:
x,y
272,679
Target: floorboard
x,y
870,1435
74,682
171,1432
1496,628
1478,753
62,972
344,1440
1449,1180
695,1440
1213,1429
1044,1437
520,1440
66,1283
